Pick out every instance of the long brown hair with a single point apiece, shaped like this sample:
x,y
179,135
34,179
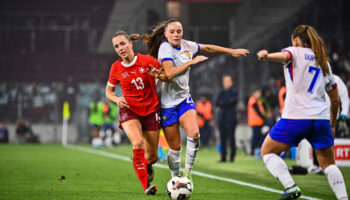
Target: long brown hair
x,y
309,36
156,38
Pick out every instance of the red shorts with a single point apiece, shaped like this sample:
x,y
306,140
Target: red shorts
x,y
150,122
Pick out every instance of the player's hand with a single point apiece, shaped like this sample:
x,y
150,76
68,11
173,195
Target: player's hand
x,y
239,52
198,59
122,102
342,117
153,72
262,55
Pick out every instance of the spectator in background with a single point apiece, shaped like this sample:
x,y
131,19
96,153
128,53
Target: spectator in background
x,y
24,133
340,127
204,115
110,113
96,121
4,134
256,119
226,103
281,97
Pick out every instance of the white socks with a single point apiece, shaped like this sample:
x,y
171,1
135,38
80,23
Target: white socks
x,y
192,148
174,162
278,168
336,181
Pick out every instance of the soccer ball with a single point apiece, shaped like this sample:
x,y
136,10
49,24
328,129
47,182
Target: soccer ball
x,y
179,187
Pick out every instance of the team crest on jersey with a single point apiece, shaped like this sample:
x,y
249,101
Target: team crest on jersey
x,y
142,70
188,54
125,74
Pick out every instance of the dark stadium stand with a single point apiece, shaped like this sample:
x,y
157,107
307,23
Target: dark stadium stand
x,y
43,43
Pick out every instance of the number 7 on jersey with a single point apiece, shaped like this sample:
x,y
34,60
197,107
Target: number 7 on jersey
x,y
314,80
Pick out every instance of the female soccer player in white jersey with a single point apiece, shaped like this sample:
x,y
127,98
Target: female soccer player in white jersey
x,y
166,44
306,113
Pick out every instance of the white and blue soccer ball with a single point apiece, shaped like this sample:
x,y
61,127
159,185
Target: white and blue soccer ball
x,y
179,187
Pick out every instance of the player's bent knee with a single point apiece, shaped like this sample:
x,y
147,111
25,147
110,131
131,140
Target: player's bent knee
x,y
176,147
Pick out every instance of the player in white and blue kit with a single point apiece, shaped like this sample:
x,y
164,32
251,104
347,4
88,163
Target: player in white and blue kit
x,y
306,114
177,56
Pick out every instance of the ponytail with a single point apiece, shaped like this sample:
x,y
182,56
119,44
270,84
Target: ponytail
x,y
156,38
309,36
132,37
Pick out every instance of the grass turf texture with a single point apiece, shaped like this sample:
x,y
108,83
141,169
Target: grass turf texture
x,y
36,172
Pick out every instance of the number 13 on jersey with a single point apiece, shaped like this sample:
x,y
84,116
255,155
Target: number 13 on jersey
x,y
138,83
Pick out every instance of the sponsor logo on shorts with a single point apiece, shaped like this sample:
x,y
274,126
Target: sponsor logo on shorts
x,y
125,116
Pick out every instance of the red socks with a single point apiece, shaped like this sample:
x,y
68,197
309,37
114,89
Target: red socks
x,y
140,166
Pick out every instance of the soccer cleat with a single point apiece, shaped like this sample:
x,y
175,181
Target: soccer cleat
x,y
151,190
189,176
291,193
150,173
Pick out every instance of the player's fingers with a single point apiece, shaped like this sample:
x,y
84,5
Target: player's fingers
x,y
204,58
123,105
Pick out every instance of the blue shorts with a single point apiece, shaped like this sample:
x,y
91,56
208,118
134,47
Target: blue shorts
x,y
172,115
292,131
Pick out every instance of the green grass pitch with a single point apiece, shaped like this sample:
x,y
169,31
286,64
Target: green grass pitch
x,y
47,172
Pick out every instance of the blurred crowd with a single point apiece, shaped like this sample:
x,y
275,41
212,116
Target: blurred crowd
x,y
102,119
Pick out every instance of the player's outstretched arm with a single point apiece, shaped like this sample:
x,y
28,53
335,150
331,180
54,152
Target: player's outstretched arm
x,y
209,48
110,95
172,72
283,57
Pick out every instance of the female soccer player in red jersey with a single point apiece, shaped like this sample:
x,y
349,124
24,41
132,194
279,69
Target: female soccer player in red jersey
x,y
139,105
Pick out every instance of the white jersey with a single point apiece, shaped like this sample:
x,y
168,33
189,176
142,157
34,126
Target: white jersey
x,y
343,95
172,94
306,85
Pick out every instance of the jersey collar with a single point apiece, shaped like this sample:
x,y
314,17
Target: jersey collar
x,y
130,64
177,48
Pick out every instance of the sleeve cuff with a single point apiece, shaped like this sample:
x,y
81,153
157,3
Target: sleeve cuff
x,y
165,59
290,53
199,48
110,84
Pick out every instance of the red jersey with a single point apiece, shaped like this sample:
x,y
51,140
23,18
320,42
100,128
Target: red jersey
x,y
138,87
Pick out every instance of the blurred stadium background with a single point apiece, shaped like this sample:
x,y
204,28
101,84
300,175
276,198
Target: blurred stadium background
x,y
60,50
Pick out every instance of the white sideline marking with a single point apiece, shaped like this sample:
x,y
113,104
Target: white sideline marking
x,y
128,159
